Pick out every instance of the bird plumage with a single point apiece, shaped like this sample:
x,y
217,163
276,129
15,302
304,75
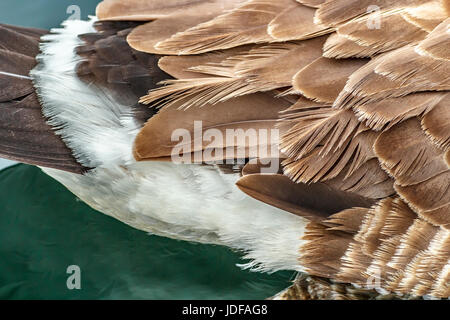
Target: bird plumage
x,y
359,94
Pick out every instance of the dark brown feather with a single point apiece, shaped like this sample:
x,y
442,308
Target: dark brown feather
x,y
313,201
25,135
110,63
14,78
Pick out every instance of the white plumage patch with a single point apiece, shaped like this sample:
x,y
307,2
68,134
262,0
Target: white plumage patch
x,y
98,129
188,202
192,203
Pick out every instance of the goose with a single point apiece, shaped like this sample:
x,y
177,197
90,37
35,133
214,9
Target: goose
x,y
311,135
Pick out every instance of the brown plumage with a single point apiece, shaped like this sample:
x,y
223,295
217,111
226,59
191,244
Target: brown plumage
x,y
24,134
369,122
360,94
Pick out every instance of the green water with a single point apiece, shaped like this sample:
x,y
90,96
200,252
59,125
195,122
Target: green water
x,y
42,13
44,229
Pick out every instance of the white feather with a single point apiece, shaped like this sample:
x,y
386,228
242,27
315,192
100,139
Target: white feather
x,y
97,128
188,202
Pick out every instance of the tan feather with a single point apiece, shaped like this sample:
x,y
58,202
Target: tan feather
x,y
308,287
348,221
370,236
446,5
437,44
311,3
180,67
346,160
301,103
427,15
415,240
324,78
397,222
429,196
340,47
417,69
333,12
384,114
329,127
179,18
239,75
393,32
423,271
358,237
394,74
249,112
438,216
296,22
368,180
436,123
420,257
146,10
408,155
245,24
145,37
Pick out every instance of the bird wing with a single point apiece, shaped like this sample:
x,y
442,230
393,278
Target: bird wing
x,y
361,95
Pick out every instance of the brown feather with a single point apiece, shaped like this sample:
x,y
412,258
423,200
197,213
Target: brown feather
x,y
438,43
415,240
251,111
408,155
14,70
426,16
340,47
26,31
258,165
394,32
243,25
324,79
394,74
239,75
301,103
17,42
436,123
369,181
313,201
25,136
296,22
311,3
446,5
146,10
310,128
180,67
427,198
146,37
384,114
112,65
333,12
